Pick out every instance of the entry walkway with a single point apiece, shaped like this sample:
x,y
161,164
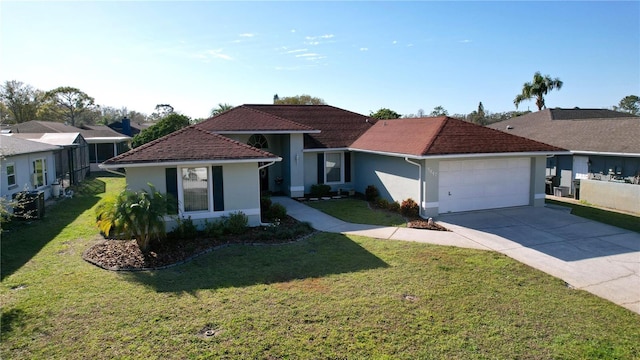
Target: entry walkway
x,y
588,255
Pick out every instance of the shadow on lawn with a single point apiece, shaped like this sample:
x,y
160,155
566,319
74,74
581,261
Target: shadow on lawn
x,y
24,239
243,265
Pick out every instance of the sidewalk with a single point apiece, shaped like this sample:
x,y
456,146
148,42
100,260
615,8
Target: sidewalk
x,y
601,259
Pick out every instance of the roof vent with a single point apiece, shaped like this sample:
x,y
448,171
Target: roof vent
x,y
509,127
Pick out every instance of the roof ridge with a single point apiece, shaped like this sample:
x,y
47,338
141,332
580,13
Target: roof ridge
x,y
277,117
433,139
235,141
150,143
522,137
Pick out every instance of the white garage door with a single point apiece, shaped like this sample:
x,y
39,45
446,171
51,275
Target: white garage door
x,y
483,184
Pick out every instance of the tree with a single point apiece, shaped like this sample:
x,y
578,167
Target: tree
x,y
162,111
537,89
69,103
167,125
478,117
22,101
221,108
384,113
439,111
298,100
630,104
133,215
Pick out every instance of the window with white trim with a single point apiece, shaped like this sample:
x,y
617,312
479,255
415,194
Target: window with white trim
x,y
195,189
39,173
333,167
11,175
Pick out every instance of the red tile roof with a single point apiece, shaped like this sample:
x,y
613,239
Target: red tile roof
x,y
190,144
244,118
338,127
442,136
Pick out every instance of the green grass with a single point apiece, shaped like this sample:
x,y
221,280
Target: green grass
x,y
329,296
625,221
358,211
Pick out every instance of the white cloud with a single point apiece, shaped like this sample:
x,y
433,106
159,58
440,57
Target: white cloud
x,y
364,49
293,30
307,55
394,42
313,40
296,51
465,41
207,55
247,35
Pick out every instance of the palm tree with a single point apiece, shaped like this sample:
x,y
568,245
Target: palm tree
x,y
537,89
221,108
133,215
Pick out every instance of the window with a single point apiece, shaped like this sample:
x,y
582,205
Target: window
x,y
333,168
258,141
195,188
39,172
11,175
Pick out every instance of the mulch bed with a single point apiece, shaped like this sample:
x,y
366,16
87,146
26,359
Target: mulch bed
x,y
126,255
424,224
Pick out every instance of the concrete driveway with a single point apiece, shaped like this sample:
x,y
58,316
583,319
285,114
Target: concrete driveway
x,y
587,255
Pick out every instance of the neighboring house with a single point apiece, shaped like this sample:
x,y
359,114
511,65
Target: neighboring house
x,y
604,144
444,164
26,165
126,127
72,158
103,142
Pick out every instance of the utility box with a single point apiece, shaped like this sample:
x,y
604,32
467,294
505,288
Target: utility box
x,y
561,191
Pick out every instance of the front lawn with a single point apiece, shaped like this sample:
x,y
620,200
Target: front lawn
x,y
328,296
358,212
625,221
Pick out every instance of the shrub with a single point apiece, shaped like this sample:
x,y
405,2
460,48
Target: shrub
x,y
186,229
276,211
320,190
5,214
409,208
394,206
236,223
371,193
214,229
382,203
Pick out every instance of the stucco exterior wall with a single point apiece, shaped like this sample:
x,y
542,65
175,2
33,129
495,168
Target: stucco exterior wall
x,y
140,178
395,179
537,186
23,170
295,159
613,195
241,191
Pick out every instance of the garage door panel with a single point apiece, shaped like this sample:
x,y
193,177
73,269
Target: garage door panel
x,y
467,185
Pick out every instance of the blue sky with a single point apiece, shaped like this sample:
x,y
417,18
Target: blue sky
x,y
360,56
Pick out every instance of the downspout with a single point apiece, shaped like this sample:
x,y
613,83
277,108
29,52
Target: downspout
x,y
260,168
266,165
420,185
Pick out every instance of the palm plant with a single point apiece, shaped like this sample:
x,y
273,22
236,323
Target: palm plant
x,y
221,108
133,215
537,89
